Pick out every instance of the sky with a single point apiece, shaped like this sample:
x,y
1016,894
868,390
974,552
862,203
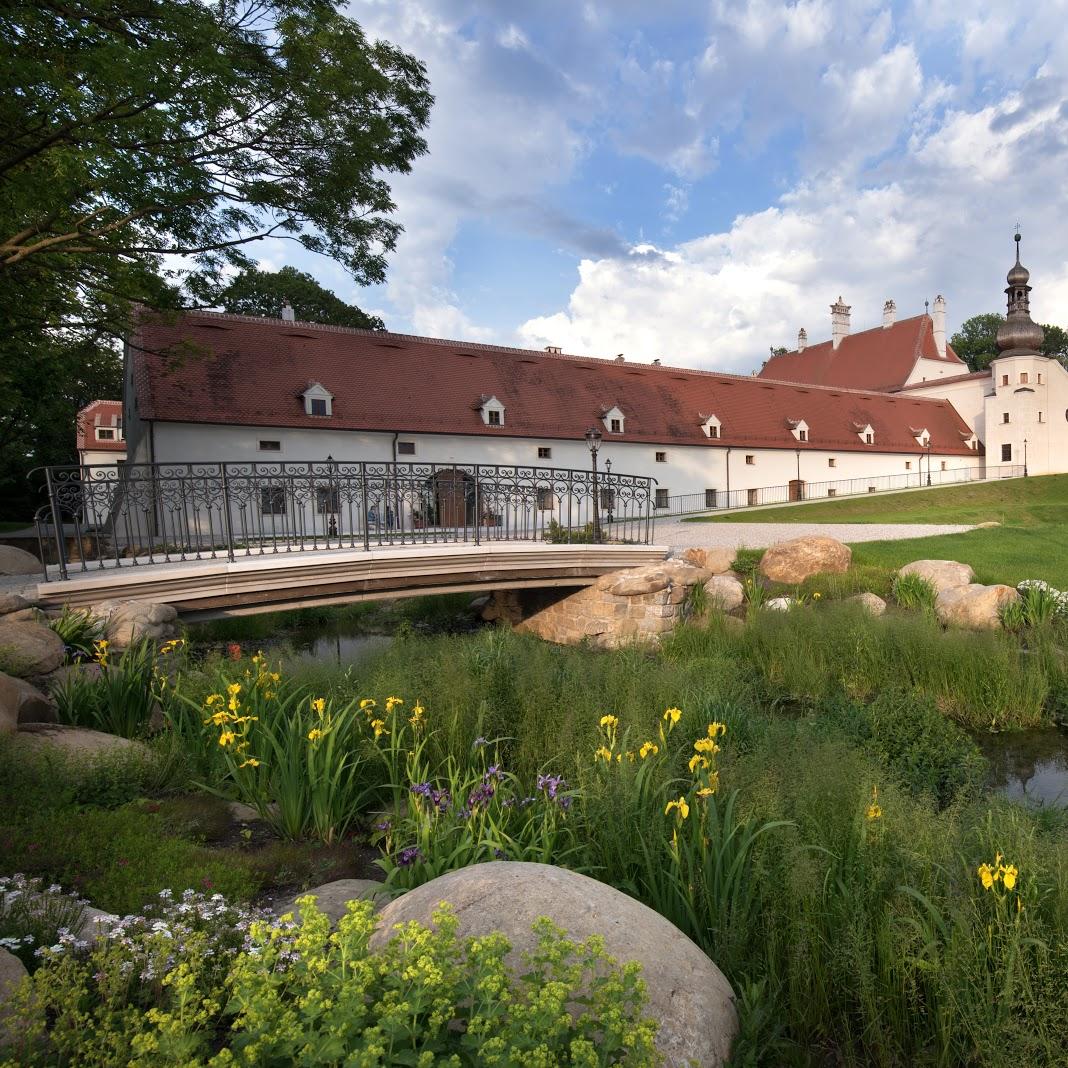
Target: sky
x,y
695,182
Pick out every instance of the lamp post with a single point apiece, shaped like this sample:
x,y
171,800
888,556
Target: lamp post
x,y
593,441
611,490
330,489
928,461
1025,457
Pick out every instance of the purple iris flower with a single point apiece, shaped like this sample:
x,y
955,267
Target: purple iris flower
x,y
408,856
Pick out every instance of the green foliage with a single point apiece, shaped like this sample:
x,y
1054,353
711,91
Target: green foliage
x,y
80,631
746,562
914,592
32,915
257,292
309,996
976,343
555,534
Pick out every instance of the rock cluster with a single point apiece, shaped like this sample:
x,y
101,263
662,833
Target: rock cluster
x,y
639,604
28,649
974,606
688,995
126,622
14,561
941,574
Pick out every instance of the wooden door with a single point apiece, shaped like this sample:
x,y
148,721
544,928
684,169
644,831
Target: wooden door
x,y
797,489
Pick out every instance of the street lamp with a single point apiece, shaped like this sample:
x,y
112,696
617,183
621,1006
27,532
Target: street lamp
x,y
928,443
593,441
611,490
1025,457
331,488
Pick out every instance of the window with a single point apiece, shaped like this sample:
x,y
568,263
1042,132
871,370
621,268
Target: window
x,y
1004,417
802,435
908,465
544,452
105,433
1004,380
943,465
832,493
662,498
616,426
270,446
872,489
750,459
713,430
832,462
493,417
327,500
405,448
1023,378
869,439
710,498
1006,454
1040,419
608,500
925,441
1040,378
546,502
661,457
273,500
317,406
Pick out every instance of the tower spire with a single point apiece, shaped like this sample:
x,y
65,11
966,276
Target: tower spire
x,y
1018,335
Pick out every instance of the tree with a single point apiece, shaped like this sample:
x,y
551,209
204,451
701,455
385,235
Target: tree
x,y
145,143
255,292
976,343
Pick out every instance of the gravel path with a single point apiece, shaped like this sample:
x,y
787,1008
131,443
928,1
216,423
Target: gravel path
x,y
760,535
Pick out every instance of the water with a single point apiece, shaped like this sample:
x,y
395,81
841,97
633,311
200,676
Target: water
x,y
1029,765
318,647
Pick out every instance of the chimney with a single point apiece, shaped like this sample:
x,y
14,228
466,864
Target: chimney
x,y
839,322
802,339
557,349
938,321
889,314
288,315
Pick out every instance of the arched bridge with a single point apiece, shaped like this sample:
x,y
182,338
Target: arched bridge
x,y
239,538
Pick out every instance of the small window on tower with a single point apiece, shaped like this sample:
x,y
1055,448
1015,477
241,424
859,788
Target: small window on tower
x,y
1004,417
1040,378
1023,378
1004,380
1006,454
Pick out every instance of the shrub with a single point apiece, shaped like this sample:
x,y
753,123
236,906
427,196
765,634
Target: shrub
x,y
1040,605
746,561
556,534
914,592
182,988
32,916
80,631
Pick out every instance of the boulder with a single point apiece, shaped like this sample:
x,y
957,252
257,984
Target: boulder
x,y
987,525
75,741
689,996
780,604
94,923
725,593
89,670
332,898
870,602
126,622
18,562
22,703
29,648
974,606
941,574
795,560
12,973
651,578
13,602
718,561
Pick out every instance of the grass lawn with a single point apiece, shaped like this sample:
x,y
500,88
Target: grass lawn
x,y
1032,541
7,525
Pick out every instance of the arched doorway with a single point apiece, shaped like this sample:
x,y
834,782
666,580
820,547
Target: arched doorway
x,y
453,493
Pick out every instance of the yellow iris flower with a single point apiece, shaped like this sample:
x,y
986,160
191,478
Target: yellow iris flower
x,y
648,749
604,754
319,705
314,734
610,722
673,715
227,738
681,805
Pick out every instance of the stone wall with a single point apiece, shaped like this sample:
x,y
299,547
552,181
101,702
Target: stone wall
x,y
637,605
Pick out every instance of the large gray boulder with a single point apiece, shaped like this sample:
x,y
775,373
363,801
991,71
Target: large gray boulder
x,y
29,648
941,574
13,602
725,593
974,606
79,742
332,898
872,603
18,562
126,622
12,973
22,703
688,995
795,560
651,578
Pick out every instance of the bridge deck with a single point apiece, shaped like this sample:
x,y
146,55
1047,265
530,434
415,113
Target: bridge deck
x,y
206,588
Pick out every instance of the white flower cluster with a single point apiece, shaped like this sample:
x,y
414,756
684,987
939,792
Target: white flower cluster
x,y
1059,597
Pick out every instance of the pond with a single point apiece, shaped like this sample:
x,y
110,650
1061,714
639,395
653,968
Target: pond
x,y
327,644
1029,765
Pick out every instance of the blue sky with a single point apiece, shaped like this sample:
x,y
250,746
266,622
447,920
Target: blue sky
x,y
697,181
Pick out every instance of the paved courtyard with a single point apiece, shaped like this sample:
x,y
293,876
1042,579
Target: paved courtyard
x,y
760,535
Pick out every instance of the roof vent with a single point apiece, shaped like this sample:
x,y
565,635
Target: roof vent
x,y
656,362
554,348
620,358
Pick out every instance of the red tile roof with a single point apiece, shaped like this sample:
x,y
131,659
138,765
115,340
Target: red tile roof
x,y
252,372
878,359
100,413
944,381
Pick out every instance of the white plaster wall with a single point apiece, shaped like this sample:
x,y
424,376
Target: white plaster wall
x,y
929,370
1038,413
968,397
688,469
91,457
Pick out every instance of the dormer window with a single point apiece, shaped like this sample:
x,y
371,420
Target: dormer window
x,y
105,433
491,410
798,428
866,432
923,436
318,400
614,420
711,427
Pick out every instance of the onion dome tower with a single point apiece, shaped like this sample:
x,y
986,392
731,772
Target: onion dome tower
x,y
1018,335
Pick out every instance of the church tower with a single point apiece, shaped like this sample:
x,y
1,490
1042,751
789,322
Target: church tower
x,y
1018,335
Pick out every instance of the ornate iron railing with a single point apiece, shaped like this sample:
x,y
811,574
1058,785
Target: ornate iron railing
x,y
119,515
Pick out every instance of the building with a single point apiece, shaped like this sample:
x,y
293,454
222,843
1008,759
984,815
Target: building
x,y
100,437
